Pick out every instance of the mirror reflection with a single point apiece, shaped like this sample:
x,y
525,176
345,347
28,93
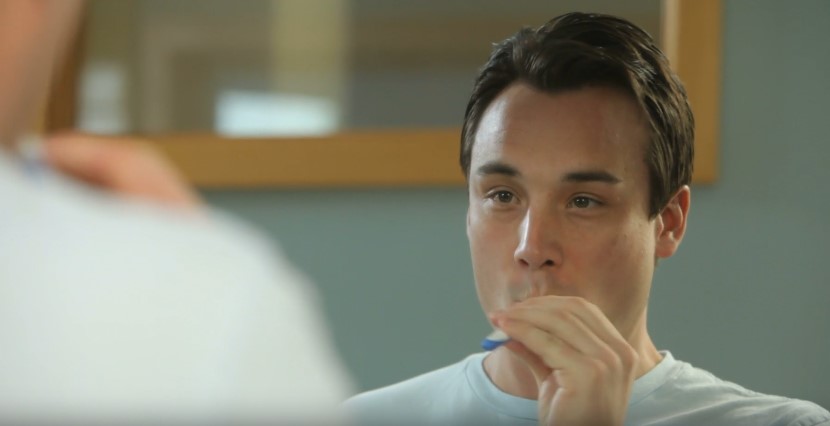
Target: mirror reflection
x,y
296,68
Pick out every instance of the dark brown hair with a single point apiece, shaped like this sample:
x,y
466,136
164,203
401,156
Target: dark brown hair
x,y
579,50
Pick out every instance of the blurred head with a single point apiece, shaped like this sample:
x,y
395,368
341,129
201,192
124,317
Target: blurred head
x,y
579,50
32,36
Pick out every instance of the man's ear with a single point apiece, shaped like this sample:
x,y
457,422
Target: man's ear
x,y
671,223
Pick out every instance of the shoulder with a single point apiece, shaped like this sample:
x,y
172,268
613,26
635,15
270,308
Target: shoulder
x,y
84,231
412,397
145,291
417,388
129,257
697,396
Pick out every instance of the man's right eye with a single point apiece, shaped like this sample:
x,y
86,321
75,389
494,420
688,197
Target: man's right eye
x,y
505,197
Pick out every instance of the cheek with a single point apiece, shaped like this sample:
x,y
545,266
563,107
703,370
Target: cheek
x,y
619,256
631,262
491,241
484,243
491,253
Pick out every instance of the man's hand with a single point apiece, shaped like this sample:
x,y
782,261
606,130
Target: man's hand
x,y
125,166
582,365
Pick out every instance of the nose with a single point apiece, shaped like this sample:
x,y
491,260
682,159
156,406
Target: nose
x,y
538,247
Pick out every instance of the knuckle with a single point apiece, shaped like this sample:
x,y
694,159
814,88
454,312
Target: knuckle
x,y
609,360
626,359
561,315
601,366
597,369
574,303
630,358
594,309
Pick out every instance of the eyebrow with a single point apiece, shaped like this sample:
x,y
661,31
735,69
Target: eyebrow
x,y
499,168
591,176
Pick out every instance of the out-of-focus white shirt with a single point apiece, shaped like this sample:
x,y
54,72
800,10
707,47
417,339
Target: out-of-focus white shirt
x,y
116,309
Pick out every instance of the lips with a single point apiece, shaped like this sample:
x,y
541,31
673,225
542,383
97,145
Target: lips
x,y
526,289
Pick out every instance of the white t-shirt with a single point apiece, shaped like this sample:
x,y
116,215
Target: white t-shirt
x,y
114,309
672,393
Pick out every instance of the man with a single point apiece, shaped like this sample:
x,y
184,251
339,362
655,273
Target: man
x,y
122,299
577,145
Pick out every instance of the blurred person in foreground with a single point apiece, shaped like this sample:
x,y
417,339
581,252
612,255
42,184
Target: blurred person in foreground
x,y
577,146
122,298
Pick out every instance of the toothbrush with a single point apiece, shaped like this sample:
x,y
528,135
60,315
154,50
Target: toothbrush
x,y
494,340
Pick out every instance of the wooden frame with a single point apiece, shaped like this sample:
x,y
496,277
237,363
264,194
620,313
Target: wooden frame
x,y
692,41
418,157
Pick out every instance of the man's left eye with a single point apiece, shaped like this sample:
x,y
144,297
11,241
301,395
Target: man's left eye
x,y
582,202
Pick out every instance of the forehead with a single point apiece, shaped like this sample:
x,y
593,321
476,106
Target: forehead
x,y
589,128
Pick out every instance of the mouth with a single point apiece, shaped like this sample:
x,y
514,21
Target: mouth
x,y
520,291
527,288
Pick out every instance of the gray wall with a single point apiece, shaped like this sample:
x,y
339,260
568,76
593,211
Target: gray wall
x,y
746,297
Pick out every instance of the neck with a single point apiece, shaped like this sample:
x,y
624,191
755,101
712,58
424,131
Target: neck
x,y
509,373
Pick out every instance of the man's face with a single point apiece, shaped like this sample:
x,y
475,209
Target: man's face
x,y
559,195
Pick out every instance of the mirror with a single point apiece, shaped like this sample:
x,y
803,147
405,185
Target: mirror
x,y
312,92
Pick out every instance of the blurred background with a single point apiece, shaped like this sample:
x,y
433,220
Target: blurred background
x,y
746,297
289,67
